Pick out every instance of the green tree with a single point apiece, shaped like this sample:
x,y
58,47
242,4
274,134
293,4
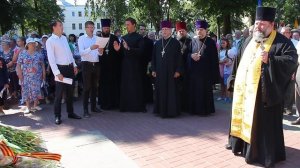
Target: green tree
x,y
113,9
41,14
28,15
226,11
5,16
287,10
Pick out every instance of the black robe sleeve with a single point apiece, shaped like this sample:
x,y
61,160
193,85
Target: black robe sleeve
x,y
282,64
179,68
4,73
214,63
153,62
138,49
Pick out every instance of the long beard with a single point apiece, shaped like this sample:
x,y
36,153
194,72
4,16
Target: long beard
x,y
259,36
180,37
105,34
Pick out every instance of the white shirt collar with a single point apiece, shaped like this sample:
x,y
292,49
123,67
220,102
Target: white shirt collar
x,y
56,36
86,36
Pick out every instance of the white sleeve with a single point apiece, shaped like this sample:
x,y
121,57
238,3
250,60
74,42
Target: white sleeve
x,y
51,57
298,48
232,52
82,51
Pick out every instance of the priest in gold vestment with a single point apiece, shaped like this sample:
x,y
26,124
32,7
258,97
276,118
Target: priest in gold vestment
x,y
267,63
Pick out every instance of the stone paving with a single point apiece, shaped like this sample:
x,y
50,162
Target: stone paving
x,y
129,140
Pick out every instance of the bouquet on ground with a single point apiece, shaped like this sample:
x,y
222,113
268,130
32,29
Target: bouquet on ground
x,y
22,149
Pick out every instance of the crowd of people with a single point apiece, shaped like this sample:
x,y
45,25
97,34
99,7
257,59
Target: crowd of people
x,y
174,70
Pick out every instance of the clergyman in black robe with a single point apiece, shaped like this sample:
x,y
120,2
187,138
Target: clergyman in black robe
x,y
264,144
110,70
166,66
132,91
147,56
203,71
185,42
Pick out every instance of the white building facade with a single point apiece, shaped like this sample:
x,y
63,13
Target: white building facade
x,y
75,17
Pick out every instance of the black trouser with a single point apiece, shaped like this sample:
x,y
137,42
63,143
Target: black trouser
x,y
68,72
289,99
90,76
14,82
2,99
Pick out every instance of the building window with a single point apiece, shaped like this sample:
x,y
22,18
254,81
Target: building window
x,y
73,26
79,14
98,25
80,26
73,14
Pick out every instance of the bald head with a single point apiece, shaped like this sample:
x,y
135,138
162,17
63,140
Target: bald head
x,y
286,31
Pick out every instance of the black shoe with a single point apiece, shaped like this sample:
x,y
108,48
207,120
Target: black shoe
x,y
57,120
86,114
296,122
74,116
228,146
96,110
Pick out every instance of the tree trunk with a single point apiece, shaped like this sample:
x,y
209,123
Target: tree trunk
x,y
23,29
1,28
218,28
39,27
226,24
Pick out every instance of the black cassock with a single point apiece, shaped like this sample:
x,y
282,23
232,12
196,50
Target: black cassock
x,y
267,141
184,79
147,56
132,91
110,72
203,75
166,102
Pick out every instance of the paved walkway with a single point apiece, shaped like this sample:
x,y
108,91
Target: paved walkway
x,y
128,140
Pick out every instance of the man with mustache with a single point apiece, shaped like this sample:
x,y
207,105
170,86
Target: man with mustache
x,y
185,42
267,63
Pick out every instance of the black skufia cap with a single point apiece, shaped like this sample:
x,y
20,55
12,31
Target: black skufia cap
x,y
265,13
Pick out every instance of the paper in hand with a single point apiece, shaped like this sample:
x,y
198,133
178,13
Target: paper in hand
x,y
101,42
65,80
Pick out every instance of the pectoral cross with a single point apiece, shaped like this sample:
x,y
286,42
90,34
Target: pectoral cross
x,y
107,51
163,53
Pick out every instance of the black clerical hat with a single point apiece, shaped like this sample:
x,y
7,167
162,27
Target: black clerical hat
x,y
105,22
166,24
201,24
265,13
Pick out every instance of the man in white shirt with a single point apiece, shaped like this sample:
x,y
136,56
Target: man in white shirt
x,y
238,39
89,53
295,37
63,66
297,92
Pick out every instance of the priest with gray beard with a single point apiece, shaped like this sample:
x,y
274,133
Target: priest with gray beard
x,y
267,63
166,69
185,42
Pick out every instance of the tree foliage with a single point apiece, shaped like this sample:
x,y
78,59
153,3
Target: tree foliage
x,y
287,10
28,14
112,9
